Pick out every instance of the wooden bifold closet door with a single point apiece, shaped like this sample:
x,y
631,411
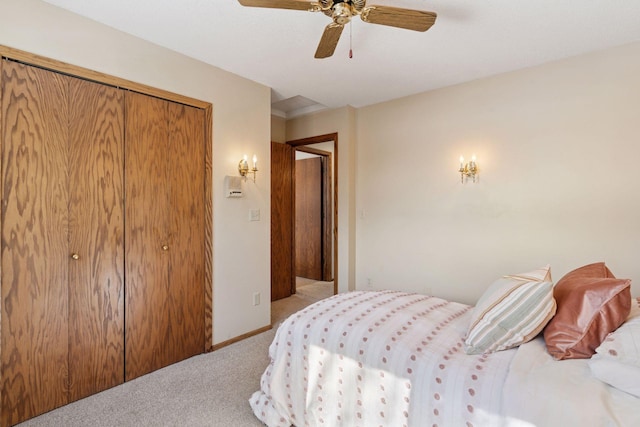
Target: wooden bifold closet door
x,y
103,274
62,240
165,242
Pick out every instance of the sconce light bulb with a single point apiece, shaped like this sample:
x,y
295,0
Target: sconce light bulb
x,y
461,159
473,158
255,161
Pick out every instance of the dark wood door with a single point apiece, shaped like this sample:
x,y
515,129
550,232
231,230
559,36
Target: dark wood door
x,y
282,199
35,263
96,238
308,219
164,177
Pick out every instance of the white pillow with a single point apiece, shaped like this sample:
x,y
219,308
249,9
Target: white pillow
x,y
511,312
617,359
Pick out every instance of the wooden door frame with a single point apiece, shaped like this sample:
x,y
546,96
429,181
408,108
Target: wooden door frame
x,y
300,143
84,73
327,218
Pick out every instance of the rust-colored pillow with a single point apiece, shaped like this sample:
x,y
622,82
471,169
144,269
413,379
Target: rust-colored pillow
x,y
591,304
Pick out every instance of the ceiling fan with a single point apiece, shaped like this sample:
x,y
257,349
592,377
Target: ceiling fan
x,y
341,11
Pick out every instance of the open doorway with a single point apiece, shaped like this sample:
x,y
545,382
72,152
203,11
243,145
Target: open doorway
x,y
288,239
313,214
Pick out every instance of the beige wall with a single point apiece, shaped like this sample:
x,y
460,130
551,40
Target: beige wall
x,y
557,146
241,124
278,129
342,121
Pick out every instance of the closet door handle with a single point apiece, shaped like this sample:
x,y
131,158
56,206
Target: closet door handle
x,y
165,247
75,257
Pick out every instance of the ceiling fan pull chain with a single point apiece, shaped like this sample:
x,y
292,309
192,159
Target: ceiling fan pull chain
x,y
350,39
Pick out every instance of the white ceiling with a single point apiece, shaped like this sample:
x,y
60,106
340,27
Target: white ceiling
x,y
470,39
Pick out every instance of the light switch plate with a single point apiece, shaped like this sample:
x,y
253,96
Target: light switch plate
x,y
254,215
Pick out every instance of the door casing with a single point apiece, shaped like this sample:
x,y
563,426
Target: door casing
x,y
278,173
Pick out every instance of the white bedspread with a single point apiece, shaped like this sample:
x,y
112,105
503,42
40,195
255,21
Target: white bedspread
x,y
379,359
546,392
396,359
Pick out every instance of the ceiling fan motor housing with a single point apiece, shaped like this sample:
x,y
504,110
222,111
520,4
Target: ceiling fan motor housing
x,y
342,13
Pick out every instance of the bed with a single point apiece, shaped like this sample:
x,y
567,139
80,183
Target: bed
x,y
390,358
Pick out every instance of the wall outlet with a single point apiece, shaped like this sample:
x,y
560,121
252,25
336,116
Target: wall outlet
x,y
256,298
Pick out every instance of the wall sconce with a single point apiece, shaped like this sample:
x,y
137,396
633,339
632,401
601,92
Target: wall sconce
x,y
468,170
243,167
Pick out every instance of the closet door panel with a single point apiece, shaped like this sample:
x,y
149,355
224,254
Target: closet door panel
x,y
147,255
96,238
186,277
35,253
164,177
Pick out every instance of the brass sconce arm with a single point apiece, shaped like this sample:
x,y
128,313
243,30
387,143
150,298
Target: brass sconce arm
x,y
243,167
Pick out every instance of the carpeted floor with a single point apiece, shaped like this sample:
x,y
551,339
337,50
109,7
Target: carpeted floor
x,y
307,292
206,390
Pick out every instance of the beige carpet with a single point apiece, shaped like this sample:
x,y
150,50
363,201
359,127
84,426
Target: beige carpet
x,y
207,390
307,292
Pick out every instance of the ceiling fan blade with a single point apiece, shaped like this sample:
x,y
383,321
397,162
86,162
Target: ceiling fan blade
x,y
329,40
281,4
409,19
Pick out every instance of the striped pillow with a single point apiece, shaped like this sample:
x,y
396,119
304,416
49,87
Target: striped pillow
x,y
511,312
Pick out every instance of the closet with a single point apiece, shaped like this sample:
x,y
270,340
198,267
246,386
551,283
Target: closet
x,y
105,246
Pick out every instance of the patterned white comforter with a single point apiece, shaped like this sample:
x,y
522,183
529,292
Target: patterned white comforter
x,y
396,359
380,359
